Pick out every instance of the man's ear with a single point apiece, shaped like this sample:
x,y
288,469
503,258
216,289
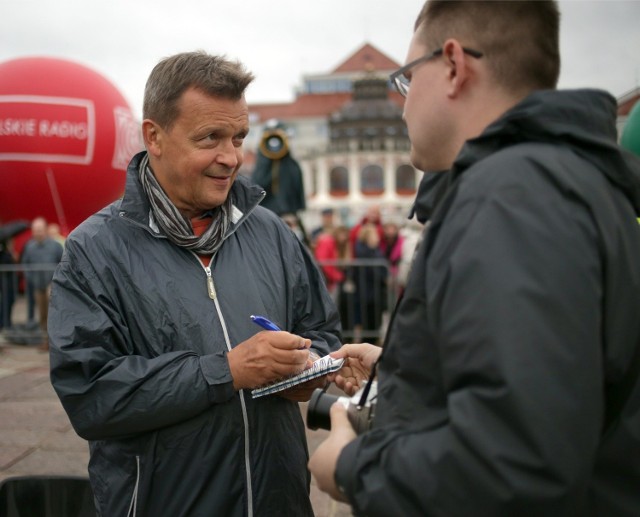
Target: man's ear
x,y
457,69
152,137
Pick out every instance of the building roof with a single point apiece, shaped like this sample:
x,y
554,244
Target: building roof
x,y
307,105
366,58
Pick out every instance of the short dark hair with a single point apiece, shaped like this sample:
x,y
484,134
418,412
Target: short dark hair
x,y
519,39
171,77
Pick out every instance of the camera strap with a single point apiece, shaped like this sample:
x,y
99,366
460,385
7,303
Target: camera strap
x,y
374,370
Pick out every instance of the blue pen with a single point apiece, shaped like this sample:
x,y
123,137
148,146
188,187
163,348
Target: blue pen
x,y
268,325
264,323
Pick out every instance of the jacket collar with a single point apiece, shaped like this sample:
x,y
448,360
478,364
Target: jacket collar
x,y
432,187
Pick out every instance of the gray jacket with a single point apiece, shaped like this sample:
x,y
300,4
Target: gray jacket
x,y
502,388
43,257
138,359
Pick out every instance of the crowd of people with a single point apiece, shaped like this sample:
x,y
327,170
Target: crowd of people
x,y
365,266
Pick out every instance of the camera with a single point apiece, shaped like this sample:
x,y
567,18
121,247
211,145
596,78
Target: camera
x,y
274,144
360,414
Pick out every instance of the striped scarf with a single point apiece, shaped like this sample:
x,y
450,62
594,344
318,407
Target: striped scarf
x,y
176,226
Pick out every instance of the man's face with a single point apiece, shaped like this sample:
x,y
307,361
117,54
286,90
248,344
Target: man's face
x,y
429,123
39,230
196,161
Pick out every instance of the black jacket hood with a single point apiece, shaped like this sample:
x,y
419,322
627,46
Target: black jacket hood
x,y
583,119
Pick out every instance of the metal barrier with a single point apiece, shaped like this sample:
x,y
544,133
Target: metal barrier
x,y
365,297
18,310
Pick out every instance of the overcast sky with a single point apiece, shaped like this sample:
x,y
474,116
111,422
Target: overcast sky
x,y
280,40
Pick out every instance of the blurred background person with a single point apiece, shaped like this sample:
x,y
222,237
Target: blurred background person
x,y
371,216
327,224
347,287
392,249
293,222
370,281
8,283
326,252
53,231
42,253
280,175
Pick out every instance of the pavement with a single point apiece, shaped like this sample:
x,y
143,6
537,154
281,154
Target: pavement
x,y
36,437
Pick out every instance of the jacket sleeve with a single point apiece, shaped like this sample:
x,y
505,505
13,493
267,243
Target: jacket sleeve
x,y
108,391
514,300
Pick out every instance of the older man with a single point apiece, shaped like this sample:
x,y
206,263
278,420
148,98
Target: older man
x,y
153,348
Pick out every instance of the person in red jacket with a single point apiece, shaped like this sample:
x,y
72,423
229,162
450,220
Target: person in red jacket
x,y
326,250
371,216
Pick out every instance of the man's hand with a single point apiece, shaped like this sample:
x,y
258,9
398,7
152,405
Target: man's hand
x,y
359,361
322,463
266,357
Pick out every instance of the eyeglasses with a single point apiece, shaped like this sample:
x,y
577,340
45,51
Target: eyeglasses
x,y
402,82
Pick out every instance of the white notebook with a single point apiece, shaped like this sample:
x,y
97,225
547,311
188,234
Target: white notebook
x,y
320,367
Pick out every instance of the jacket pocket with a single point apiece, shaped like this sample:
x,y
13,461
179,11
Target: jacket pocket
x,y
116,479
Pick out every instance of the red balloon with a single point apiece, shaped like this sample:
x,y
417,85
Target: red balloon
x,y
66,137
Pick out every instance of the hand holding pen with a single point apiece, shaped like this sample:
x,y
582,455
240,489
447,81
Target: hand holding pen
x,y
267,356
300,392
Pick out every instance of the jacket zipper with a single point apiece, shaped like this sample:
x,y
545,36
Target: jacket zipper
x,y
133,507
211,290
210,287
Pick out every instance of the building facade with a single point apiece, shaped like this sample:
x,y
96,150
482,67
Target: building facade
x,y
346,130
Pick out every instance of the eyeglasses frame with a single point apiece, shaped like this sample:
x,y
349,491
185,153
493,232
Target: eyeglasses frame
x,y
403,88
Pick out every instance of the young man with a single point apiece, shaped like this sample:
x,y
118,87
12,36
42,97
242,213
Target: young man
x,y
508,384
154,351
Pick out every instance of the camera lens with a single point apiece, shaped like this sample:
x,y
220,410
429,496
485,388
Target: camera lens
x,y
318,410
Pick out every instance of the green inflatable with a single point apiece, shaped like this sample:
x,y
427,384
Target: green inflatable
x,y
630,138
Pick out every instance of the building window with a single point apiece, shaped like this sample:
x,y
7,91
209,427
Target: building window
x,y
372,180
329,85
405,180
339,182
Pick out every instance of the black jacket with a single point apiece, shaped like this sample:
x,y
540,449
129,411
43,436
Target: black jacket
x,y
138,359
518,324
